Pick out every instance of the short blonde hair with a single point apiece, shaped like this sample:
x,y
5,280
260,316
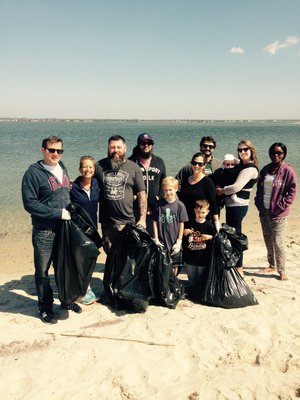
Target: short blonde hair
x,y
170,181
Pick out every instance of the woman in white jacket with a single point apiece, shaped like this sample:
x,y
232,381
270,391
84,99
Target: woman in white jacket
x,y
238,194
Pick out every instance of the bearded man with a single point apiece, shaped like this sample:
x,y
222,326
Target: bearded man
x,y
154,171
120,181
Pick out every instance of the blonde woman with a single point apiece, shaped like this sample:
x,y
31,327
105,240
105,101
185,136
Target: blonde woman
x,y
85,192
238,194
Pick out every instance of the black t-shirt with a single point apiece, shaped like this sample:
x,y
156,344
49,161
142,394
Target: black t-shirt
x,y
202,190
196,251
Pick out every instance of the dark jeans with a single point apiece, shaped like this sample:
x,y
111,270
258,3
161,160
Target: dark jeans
x,y
234,218
45,252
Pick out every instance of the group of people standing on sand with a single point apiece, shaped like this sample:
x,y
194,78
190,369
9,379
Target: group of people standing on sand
x,y
182,212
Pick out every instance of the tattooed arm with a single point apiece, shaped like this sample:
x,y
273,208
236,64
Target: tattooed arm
x,y
142,200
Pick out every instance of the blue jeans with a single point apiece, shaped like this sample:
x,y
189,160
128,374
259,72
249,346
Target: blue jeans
x,y
45,252
234,218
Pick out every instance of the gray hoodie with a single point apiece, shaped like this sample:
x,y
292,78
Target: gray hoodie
x,y
44,196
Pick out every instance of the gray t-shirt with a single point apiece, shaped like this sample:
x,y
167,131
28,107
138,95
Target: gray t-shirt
x,y
169,216
117,188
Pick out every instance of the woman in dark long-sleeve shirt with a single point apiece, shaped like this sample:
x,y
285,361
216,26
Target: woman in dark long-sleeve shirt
x,y
198,186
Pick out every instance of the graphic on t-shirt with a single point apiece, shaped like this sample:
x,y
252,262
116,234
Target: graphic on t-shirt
x,y
114,184
167,217
196,242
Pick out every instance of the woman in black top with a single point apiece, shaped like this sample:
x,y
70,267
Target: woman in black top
x,y
198,186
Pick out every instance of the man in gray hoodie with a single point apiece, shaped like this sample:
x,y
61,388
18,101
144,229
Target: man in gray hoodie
x,y
45,194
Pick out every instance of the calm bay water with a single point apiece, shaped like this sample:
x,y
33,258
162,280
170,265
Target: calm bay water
x,y
175,142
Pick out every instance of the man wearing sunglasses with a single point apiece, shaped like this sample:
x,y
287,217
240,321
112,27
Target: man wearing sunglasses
x,y
207,147
154,171
45,193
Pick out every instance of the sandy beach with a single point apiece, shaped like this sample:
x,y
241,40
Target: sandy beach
x,y
192,352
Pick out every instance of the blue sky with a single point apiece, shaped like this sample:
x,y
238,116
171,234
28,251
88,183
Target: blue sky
x,y
205,59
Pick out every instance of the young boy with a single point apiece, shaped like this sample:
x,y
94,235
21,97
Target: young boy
x,y
199,234
168,221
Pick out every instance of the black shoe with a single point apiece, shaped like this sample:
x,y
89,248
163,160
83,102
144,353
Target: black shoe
x,y
72,307
48,317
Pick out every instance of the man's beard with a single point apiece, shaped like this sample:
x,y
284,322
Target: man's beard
x,y
117,162
144,154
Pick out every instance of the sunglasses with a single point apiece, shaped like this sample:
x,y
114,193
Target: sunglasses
x,y
208,146
52,151
229,165
200,164
243,149
277,153
146,143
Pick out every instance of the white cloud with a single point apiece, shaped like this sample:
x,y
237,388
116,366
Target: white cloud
x,y
237,50
273,48
292,40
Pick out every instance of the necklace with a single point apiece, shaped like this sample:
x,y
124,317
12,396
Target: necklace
x,y
86,185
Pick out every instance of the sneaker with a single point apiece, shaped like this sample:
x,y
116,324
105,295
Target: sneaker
x,y
72,307
88,298
48,317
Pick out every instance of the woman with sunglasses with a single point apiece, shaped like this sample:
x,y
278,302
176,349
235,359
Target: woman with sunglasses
x,y
199,186
276,191
238,194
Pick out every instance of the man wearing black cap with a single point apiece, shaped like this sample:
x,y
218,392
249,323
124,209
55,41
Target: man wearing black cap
x,y
153,170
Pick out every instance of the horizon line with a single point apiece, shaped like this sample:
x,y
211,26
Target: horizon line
x,y
32,119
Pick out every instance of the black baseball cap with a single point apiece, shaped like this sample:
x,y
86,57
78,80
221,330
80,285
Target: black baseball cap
x,y
143,137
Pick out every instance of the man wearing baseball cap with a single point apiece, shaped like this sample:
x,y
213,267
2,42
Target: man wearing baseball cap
x,y
153,170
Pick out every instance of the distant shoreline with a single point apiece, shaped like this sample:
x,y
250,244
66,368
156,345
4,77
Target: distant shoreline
x,y
161,121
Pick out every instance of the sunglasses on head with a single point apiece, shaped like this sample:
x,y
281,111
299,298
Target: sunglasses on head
x,y
200,164
208,146
243,149
52,151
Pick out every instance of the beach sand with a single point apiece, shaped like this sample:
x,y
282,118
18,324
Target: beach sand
x,y
192,352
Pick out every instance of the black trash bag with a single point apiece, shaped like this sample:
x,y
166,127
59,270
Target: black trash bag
x,y
77,256
138,271
225,287
84,222
165,286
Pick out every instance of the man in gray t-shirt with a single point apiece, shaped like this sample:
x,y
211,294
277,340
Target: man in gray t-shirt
x,y
120,181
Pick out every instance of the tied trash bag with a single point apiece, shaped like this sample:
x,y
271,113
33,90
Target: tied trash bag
x,y
225,287
77,254
138,271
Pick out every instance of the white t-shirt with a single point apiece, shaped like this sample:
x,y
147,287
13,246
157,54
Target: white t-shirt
x,y
55,170
268,183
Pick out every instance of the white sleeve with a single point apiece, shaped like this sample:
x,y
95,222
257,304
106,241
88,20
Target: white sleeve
x,y
243,178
